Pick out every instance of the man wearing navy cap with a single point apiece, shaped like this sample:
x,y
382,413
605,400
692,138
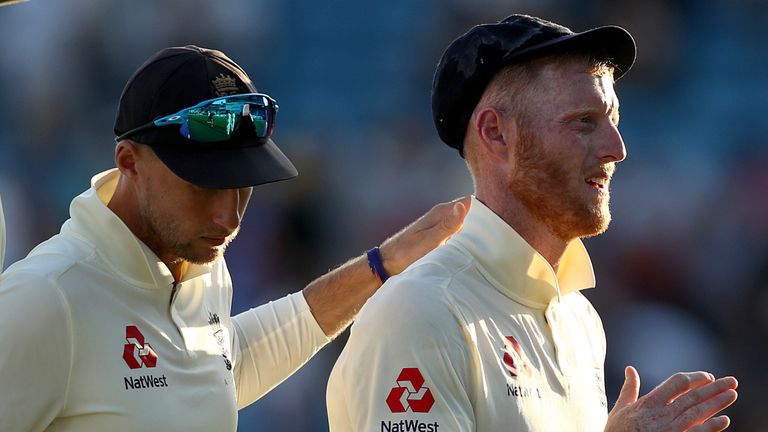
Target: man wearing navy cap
x,y
490,332
121,322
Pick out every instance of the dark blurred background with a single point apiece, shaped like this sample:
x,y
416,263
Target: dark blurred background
x,y
682,272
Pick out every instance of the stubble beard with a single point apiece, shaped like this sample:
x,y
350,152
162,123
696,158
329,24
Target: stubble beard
x,y
545,188
167,239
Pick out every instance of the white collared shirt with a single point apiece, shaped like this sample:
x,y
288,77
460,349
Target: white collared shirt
x,y
93,341
479,335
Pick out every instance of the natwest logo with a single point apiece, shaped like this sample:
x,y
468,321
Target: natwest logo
x,y
513,358
137,352
410,393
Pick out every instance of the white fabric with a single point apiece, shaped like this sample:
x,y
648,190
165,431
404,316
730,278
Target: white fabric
x,y
73,313
450,316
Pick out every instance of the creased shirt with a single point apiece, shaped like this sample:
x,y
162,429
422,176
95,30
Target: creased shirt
x,y
93,341
479,335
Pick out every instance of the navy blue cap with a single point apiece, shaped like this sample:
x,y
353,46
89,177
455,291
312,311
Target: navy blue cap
x,y
470,62
179,77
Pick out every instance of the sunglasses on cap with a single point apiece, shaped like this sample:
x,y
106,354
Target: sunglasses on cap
x,y
217,119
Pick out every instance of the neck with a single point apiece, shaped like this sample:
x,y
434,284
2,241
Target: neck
x,y
124,204
527,225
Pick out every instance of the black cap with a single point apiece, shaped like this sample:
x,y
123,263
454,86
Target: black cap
x,y
469,62
179,77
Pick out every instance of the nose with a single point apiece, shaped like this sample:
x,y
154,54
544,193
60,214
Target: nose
x,y
227,209
611,147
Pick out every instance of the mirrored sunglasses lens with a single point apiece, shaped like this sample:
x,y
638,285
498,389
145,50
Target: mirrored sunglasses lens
x,y
217,121
261,121
210,123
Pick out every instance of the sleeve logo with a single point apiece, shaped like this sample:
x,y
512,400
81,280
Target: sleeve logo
x,y
410,393
137,352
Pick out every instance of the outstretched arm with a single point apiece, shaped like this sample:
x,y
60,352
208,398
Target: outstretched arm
x,y
336,297
684,402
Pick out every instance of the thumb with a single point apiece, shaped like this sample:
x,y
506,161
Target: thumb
x,y
455,218
630,389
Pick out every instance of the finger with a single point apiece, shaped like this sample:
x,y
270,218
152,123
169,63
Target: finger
x,y
630,389
466,200
691,398
704,410
438,216
455,218
676,385
715,424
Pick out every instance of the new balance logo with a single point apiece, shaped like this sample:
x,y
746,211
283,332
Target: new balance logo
x,y
410,393
137,352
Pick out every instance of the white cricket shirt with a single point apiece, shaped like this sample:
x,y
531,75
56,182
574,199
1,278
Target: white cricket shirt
x,y
479,335
93,341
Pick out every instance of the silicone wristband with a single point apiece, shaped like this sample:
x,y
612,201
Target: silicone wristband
x,y
377,267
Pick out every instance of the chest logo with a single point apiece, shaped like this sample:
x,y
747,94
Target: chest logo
x,y
137,352
513,358
410,393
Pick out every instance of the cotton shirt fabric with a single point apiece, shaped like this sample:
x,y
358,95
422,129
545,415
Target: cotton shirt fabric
x,y
94,341
479,335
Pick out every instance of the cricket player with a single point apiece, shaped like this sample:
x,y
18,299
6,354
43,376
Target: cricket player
x,y
491,332
121,322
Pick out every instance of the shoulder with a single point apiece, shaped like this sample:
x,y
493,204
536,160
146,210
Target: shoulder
x,y
421,299
32,289
50,259
32,285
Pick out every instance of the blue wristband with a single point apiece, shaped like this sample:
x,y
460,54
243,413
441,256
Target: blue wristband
x,y
377,267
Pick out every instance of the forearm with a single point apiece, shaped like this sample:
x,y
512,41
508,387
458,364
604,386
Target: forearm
x,y
336,297
271,342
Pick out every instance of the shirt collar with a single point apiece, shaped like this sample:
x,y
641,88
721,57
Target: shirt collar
x,y
512,266
92,220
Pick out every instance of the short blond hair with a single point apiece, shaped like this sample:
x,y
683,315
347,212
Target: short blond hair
x,y
511,88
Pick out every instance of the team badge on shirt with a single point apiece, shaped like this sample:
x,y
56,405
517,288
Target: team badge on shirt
x,y
410,393
137,352
516,365
218,334
513,358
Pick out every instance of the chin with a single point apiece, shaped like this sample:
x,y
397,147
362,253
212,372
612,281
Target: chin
x,y
203,257
597,223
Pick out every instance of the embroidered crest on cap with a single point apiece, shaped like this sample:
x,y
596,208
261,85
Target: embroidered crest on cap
x,y
225,85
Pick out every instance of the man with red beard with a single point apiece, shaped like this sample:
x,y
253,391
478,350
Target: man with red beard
x,y
490,331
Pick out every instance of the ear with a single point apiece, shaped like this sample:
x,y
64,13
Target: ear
x,y
497,134
127,153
